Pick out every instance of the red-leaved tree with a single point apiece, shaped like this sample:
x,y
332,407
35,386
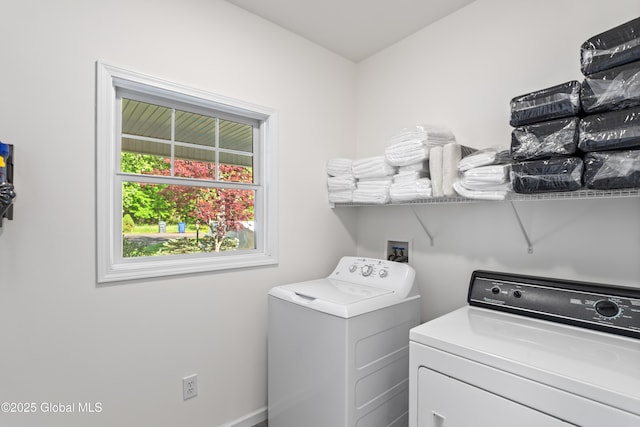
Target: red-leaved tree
x,y
222,209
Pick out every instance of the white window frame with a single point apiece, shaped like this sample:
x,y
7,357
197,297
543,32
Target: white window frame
x,y
111,266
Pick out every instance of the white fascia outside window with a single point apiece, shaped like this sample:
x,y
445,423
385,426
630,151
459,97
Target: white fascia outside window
x,y
186,179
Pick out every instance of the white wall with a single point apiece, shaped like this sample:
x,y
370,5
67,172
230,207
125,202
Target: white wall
x,y
127,346
64,338
462,72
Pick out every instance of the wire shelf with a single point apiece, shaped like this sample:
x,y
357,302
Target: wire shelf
x,y
515,197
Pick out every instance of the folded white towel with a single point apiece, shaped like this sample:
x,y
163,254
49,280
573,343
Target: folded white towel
x,y
429,134
411,191
477,194
406,152
372,167
339,166
435,170
345,196
451,155
409,176
338,183
422,165
374,183
485,186
373,197
479,158
494,174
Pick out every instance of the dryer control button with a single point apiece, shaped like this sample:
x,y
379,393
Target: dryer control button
x,y
383,273
353,268
607,308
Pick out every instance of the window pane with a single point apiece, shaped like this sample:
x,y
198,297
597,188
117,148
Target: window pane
x,y
236,136
193,169
161,220
147,120
133,161
195,128
234,173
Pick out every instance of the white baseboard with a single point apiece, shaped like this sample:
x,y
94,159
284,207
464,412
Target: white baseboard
x,y
249,420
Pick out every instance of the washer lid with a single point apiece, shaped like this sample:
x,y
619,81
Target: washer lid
x,y
335,291
337,297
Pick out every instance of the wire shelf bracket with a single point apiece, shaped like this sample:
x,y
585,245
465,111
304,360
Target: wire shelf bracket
x,y
524,231
424,227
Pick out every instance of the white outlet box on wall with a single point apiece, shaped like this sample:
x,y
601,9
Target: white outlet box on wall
x,y
399,250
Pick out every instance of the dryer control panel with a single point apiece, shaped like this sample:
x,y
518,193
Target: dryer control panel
x,y
591,305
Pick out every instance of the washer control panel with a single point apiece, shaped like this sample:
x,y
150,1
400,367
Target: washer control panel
x,y
374,272
590,305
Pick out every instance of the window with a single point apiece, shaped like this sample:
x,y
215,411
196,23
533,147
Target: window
x,y
185,179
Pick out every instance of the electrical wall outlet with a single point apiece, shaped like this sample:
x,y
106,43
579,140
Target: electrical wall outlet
x,y
189,387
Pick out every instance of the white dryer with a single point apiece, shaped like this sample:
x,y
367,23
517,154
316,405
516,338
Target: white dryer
x,y
529,352
338,347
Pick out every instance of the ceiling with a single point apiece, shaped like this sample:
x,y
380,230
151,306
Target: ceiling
x,y
354,29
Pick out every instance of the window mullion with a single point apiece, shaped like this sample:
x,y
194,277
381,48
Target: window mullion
x,y
189,182
173,141
217,148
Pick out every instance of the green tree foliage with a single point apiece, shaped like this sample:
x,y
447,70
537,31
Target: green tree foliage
x,y
142,201
223,210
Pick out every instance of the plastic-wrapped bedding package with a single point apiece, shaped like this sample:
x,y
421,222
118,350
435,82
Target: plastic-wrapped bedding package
x,y
613,89
544,176
614,130
558,101
617,46
605,170
545,139
411,145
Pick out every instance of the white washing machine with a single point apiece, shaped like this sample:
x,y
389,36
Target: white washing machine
x,y
338,347
529,352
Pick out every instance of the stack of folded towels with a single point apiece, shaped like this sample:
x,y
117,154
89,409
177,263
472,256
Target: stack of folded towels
x,y
341,182
374,177
410,150
411,146
484,175
411,185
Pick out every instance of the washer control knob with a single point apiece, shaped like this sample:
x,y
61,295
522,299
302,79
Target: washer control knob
x,y
366,270
495,290
607,308
352,268
517,294
383,273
